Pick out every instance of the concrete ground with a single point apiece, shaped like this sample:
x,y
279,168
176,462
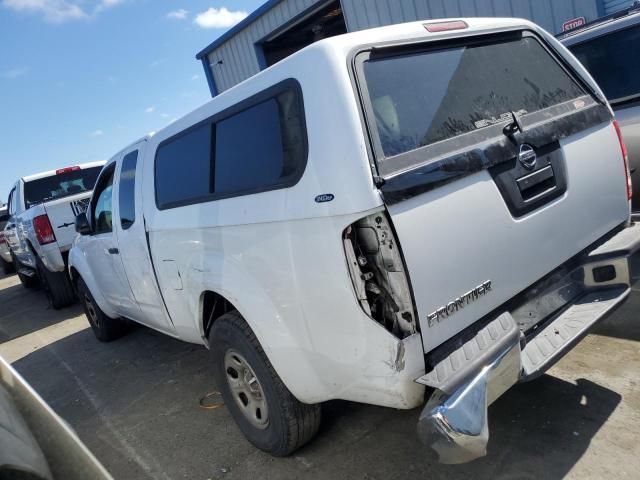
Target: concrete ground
x,y
135,403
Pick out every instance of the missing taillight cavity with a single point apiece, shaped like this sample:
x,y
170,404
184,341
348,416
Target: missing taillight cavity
x,y
625,158
378,274
445,26
43,229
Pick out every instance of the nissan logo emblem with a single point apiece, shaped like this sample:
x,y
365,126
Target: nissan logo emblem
x,y
527,156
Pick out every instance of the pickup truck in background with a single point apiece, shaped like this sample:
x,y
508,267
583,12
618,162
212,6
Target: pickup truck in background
x,y
449,222
42,210
5,253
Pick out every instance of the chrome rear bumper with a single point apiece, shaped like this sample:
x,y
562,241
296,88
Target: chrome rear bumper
x,y
475,371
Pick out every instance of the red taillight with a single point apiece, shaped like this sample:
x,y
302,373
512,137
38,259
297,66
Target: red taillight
x,y
625,157
445,26
44,232
67,169
2,239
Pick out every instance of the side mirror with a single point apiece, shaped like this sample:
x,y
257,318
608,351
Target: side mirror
x,y
82,224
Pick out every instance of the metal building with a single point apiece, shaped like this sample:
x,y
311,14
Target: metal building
x,y
278,28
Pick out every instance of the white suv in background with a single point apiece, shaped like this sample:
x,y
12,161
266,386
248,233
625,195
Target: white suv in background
x,y
40,229
420,233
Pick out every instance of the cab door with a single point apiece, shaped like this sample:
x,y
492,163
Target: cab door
x,y
132,241
103,253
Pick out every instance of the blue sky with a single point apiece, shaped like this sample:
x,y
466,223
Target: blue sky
x,y
80,79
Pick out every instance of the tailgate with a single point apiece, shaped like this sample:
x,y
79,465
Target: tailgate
x,y
499,165
62,215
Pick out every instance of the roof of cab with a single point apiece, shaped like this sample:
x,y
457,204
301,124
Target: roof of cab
x,y
51,173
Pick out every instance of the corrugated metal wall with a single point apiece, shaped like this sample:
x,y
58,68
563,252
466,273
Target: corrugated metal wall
x,y
238,53
550,14
611,6
240,61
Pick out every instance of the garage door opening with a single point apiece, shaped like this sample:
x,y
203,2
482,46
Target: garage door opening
x,y
324,23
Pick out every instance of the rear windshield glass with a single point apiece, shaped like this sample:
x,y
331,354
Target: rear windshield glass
x,y
613,62
422,98
61,185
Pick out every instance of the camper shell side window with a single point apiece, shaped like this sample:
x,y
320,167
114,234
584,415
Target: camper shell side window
x,y
255,146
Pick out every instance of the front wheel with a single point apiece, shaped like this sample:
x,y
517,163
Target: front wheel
x,y
266,412
104,328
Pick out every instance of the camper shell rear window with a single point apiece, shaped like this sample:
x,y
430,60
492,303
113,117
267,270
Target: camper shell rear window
x,y
432,99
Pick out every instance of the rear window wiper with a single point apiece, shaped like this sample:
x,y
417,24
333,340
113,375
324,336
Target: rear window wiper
x,y
514,126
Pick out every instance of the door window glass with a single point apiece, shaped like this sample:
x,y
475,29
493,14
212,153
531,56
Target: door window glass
x,y
12,202
126,200
103,205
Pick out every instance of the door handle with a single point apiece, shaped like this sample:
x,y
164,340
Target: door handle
x,y
113,251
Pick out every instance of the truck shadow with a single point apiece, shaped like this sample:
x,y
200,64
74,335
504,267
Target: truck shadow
x,y
23,311
537,430
135,403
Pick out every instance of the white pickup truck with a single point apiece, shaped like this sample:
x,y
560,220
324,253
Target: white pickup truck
x,y
427,211
40,230
5,254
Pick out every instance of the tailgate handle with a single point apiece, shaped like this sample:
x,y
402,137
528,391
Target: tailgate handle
x,y
533,185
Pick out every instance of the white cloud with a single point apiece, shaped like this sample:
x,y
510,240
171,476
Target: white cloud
x,y
157,63
97,133
105,4
219,18
54,11
164,115
59,11
179,14
15,72
150,109
195,77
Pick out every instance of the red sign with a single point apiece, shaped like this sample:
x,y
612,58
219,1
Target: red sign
x,y
573,24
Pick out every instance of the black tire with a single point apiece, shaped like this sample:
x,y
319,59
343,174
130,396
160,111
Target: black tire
x,y
57,286
289,423
105,328
7,267
26,280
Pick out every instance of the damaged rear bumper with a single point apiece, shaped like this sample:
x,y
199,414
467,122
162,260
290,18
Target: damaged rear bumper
x,y
521,343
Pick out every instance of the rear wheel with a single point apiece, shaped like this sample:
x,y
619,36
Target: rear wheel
x,y
268,415
28,281
105,328
57,286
